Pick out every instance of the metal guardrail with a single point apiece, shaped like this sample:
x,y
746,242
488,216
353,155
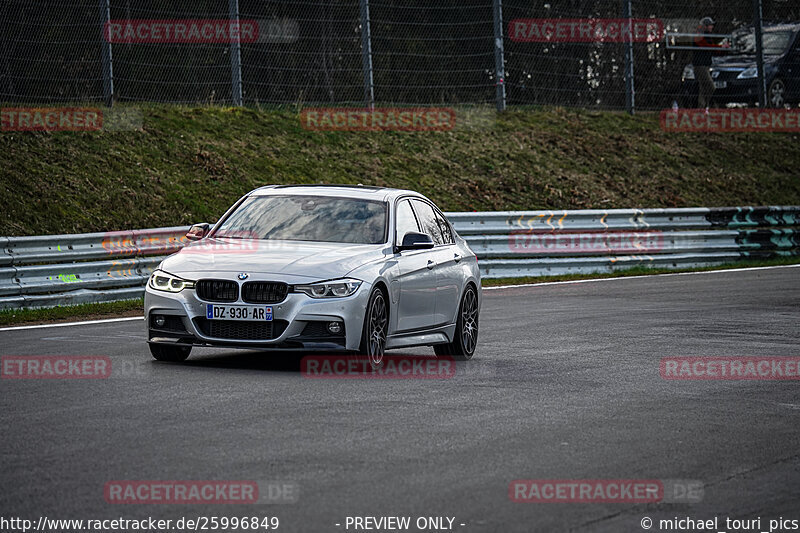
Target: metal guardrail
x,y
70,269
545,243
87,246
51,270
503,222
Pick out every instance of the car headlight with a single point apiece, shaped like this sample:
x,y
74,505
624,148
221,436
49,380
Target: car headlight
x,y
688,72
748,74
340,288
161,281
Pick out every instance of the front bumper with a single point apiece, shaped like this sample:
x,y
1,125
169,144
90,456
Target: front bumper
x,y
736,91
290,318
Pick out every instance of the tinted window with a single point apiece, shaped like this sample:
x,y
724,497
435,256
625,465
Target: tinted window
x,y
427,221
308,218
406,222
775,42
447,234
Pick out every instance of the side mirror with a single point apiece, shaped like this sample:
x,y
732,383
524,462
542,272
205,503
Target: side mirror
x,y
416,241
197,232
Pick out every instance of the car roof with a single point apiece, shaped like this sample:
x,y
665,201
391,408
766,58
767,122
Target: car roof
x,y
788,26
342,191
771,26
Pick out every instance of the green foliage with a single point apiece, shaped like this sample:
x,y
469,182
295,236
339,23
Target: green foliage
x,y
68,313
190,164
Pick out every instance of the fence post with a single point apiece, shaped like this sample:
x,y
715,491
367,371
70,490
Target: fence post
x,y
499,55
366,53
105,53
759,31
236,54
630,86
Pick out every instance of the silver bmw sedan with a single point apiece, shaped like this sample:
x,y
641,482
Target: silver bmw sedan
x,y
319,268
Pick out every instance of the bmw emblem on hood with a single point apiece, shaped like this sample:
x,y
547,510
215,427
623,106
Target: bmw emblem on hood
x,y
243,276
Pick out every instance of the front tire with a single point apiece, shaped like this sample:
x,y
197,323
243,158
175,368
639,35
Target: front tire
x,y
466,337
376,326
172,354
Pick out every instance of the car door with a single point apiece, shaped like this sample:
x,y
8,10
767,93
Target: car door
x,y
445,255
792,68
451,273
417,276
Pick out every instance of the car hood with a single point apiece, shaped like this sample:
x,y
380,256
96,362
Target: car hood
x,y
289,260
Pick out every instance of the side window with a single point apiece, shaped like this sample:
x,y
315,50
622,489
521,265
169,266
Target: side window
x,y
406,221
447,234
427,220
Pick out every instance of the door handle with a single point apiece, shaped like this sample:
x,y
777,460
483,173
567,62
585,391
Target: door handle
x,y
457,258
431,264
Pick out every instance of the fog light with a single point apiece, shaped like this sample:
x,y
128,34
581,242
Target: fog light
x,y
334,328
159,321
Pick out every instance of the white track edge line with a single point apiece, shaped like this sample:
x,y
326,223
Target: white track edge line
x,y
67,324
645,276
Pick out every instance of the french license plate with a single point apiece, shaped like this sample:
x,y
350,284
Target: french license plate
x,y
248,313
721,84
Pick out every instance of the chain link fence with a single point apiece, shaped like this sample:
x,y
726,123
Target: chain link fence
x,y
356,52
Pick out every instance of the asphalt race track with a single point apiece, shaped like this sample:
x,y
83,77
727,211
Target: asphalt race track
x,y
566,385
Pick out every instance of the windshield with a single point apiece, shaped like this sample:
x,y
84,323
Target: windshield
x,y
308,218
775,42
